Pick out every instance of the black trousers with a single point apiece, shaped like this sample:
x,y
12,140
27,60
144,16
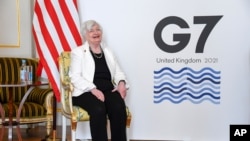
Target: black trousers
x,y
113,108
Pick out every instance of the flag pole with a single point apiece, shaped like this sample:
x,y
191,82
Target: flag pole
x,y
54,133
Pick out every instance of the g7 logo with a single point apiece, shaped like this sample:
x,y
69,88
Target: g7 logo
x,y
183,39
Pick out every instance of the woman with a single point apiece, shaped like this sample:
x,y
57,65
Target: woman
x,y
100,86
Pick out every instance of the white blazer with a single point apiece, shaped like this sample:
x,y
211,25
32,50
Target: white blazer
x,y
82,69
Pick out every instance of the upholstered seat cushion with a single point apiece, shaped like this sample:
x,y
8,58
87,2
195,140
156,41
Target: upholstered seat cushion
x,y
81,114
30,109
33,107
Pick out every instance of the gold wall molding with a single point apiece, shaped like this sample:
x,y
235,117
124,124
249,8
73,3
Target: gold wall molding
x,y
9,23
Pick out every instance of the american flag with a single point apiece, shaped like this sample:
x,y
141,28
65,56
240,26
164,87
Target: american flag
x,y
56,28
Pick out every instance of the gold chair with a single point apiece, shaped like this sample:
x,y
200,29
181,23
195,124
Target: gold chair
x,y
38,105
74,113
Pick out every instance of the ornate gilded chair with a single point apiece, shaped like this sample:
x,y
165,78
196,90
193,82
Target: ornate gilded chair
x,y
74,113
38,106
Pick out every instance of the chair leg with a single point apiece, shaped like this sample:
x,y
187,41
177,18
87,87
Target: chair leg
x,y
128,137
2,132
64,122
128,126
73,135
73,131
3,120
49,128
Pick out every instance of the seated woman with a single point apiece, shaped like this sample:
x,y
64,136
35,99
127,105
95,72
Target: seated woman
x,y
100,86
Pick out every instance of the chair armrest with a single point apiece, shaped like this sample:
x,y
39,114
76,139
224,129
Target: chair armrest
x,y
67,85
40,96
49,102
66,97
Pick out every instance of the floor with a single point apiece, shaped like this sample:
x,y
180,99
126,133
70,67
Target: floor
x,y
38,134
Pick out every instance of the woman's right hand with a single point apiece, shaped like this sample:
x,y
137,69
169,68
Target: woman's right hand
x,y
98,94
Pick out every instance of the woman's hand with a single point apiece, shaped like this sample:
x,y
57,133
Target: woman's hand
x,y
99,95
121,88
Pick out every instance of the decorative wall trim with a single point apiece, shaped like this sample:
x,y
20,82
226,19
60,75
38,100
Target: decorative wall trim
x,y
10,26
33,45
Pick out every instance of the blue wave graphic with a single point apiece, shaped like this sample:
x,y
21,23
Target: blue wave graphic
x,y
186,84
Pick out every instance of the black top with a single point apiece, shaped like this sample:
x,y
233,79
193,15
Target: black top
x,y
102,76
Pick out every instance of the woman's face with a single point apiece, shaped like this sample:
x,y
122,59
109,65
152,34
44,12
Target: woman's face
x,y
94,35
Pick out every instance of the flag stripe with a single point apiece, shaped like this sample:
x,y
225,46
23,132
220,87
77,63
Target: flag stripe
x,y
71,22
75,4
45,32
66,28
55,29
55,20
43,60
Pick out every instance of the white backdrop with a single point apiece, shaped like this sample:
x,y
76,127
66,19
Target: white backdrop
x,y
129,30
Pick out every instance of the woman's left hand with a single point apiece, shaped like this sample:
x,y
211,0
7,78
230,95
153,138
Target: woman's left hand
x,y
121,88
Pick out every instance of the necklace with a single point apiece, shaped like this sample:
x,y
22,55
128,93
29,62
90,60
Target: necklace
x,y
99,55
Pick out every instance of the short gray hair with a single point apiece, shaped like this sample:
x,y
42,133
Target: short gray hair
x,y
87,26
